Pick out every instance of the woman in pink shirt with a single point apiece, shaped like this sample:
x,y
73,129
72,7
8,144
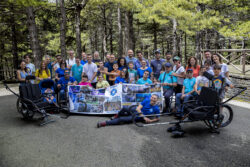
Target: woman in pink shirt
x,y
193,64
84,81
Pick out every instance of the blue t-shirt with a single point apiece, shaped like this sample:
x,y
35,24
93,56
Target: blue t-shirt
x,y
49,66
219,83
60,72
156,65
128,59
77,72
141,81
138,64
189,84
109,66
148,109
63,82
83,62
168,79
119,79
140,72
121,68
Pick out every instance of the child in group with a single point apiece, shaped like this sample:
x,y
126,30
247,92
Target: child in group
x,y
201,80
123,78
132,73
101,83
187,91
219,82
50,98
208,67
84,81
114,74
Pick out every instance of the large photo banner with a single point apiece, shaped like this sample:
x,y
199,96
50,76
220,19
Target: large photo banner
x,y
86,100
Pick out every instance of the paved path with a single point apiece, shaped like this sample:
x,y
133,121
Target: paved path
x,y
76,142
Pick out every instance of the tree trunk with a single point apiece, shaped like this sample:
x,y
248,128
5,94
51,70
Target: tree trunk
x,y
120,40
174,36
125,35
63,29
14,42
34,42
110,31
78,31
104,36
155,35
197,45
185,50
131,31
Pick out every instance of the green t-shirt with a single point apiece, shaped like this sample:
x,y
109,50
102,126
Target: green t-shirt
x,y
132,75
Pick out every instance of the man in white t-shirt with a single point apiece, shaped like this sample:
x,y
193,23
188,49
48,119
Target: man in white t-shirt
x,y
90,69
71,61
179,72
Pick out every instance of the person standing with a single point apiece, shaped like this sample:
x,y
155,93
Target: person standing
x,y
90,69
42,73
77,70
109,64
139,60
30,66
224,68
169,58
207,56
179,72
121,63
71,61
96,58
144,67
57,62
157,64
84,58
22,73
193,64
60,71
131,57
49,65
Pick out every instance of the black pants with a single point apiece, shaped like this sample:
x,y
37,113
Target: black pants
x,y
178,89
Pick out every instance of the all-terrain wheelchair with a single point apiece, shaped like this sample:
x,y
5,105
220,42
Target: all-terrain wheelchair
x,y
207,108
32,101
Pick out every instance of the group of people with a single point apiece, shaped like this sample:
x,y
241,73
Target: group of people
x,y
176,79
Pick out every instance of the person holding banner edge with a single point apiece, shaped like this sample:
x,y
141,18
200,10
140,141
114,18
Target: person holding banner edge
x,y
146,107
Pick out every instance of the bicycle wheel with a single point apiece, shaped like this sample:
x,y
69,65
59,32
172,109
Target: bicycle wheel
x,y
227,113
19,105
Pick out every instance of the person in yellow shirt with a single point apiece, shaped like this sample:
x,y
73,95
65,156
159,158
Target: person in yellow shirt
x,y
101,82
42,73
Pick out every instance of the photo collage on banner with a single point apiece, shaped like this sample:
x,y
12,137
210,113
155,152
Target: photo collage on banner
x,y
86,100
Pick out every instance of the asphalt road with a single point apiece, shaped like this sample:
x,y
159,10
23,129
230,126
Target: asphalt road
x,y
76,142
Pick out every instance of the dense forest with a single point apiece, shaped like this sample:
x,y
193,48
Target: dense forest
x,y
184,27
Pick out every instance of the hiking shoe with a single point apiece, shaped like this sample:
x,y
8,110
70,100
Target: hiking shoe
x,y
101,124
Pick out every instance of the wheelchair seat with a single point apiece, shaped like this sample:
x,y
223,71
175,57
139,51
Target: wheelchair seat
x,y
32,92
205,106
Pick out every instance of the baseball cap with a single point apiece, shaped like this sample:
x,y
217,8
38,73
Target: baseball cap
x,y
157,51
190,70
168,65
176,58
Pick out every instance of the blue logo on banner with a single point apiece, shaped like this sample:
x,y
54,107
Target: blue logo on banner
x,y
113,92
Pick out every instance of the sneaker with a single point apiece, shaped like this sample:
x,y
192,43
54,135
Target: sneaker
x,y
114,117
101,124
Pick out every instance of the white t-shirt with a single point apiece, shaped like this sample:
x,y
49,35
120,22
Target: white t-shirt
x,y
71,62
224,69
56,66
201,81
179,71
89,70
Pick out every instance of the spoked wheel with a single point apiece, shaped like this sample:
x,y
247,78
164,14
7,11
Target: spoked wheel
x,y
27,114
227,114
223,120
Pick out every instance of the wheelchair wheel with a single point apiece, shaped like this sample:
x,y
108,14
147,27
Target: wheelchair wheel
x,y
227,113
27,114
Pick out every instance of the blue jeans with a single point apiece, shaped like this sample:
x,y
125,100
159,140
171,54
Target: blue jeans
x,y
167,94
124,119
62,94
178,101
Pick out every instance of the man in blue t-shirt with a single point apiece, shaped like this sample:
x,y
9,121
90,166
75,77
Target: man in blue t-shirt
x,y
169,82
157,64
144,79
64,82
84,58
188,91
147,107
77,70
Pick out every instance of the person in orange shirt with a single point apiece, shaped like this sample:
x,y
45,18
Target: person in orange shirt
x,y
113,74
193,64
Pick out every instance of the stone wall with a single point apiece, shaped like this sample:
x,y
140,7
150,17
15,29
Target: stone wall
x,y
240,81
